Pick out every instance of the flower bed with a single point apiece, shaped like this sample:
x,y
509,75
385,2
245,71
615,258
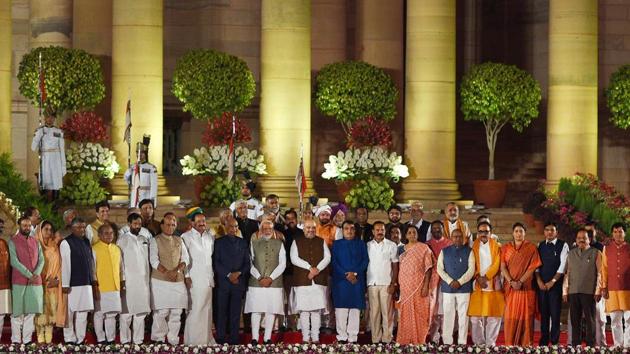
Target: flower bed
x,y
214,161
297,348
354,164
91,157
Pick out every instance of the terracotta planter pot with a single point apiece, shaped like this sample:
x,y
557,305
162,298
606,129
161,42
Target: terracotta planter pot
x,y
343,188
529,219
490,193
199,183
540,227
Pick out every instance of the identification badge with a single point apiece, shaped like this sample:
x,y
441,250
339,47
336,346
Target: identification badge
x,y
57,135
146,170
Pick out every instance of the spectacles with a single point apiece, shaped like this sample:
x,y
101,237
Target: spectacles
x,y
483,232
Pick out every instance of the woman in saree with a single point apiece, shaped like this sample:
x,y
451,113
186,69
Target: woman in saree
x,y
54,313
418,283
519,260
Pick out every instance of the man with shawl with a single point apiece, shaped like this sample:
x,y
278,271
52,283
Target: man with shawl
x,y
54,311
418,280
519,260
27,261
486,301
349,264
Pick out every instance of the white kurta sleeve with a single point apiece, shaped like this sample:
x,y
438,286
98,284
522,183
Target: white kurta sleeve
x,y
66,267
326,261
89,233
184,256
282,264
252,270
122,266
94,260
154,258
295,258
563,258
36,139
470,272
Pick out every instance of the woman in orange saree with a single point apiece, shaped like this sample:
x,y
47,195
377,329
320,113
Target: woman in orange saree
x,y
418,284
54,312
519,260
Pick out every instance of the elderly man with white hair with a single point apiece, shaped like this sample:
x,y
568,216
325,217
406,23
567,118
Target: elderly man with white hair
x,y
424,227
265,291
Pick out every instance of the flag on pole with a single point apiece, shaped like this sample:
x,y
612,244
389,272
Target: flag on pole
x,y
127,137
42,85
300,177
135,182
231,150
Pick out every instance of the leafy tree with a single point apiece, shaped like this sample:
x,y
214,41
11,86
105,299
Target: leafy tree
x,y
353,90
73,78
618,97
499,94
210,83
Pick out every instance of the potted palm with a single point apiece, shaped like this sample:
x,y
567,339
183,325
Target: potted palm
x,y
496,95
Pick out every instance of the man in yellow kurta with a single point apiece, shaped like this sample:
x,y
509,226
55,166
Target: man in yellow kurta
x,y
616,285
486,302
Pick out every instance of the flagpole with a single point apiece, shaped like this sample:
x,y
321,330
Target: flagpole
x,y
41,85
129,144
300,191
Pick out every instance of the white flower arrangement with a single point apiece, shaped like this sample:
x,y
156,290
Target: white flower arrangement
x,y
360,163
7,205
214,161
91,157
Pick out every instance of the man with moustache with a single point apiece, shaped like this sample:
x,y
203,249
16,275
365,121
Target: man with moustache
x,y
423,226
147,211
394,213
326,229
362,227
247,226
452,221
254,206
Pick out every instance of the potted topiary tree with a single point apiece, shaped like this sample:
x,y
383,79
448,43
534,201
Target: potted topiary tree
x,y
618,97
73,77
497,95
215,86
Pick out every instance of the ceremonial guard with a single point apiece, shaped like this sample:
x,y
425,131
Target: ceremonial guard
x,y
142,177
49,143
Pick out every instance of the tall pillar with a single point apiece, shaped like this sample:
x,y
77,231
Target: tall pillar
x,y
572,105
137,69
329,36
50,25
6,53
92,26
379,33
430,101
285,103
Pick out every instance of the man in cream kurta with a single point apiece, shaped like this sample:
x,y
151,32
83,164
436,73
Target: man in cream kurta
x,y
200,277
169,259
310,257
135,294
265,291
77,279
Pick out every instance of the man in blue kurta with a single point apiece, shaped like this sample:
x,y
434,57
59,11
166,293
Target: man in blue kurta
x,y
349,264
27,261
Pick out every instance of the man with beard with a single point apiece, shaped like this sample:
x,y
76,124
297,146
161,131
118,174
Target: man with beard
x,y
247,226
77,279
254,206
27,261
147,211
135,290
423,226
199,280
291,232
452,222
326,229
394,213
363,229
437,242
272,205
33,214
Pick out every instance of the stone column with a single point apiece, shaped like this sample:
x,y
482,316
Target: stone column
x,y
430,101
572,106
6,53
329,35
137,70
92,27
379,33
285,104
50,25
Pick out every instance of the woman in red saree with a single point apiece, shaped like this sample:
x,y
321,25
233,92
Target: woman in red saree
x,y
519,260
418,283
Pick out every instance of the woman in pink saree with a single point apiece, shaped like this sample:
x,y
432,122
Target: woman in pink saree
x,y
418,283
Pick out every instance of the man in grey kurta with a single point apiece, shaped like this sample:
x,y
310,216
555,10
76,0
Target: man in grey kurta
x,y
27,261
49,143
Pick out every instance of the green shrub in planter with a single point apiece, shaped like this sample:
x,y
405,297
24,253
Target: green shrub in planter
x,y
220,192
372,193
83,188
618,98
210,83
73,77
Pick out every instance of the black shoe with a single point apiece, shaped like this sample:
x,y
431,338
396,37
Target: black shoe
x,y
253,342
342,342
268,341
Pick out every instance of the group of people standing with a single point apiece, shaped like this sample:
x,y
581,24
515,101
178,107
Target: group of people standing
x,y
413,282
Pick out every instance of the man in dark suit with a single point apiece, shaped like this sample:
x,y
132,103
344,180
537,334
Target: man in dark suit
x,y
424,227
247,226
231,262
362,228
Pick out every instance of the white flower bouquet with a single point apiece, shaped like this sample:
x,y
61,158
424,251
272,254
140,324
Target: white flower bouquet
x,y
214,161
354,164
91,157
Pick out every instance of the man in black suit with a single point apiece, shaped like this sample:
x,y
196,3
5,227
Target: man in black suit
x,y
362,228
231,261
423,226
247,226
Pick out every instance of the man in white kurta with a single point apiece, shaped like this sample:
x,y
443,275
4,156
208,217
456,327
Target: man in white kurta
x,y
310,257
77,279
169,260
135,294
265,291
200,281
142,177
49,143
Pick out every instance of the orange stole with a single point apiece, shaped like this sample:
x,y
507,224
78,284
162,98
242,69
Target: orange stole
x,y
327,232
487,303
460,225
520,305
